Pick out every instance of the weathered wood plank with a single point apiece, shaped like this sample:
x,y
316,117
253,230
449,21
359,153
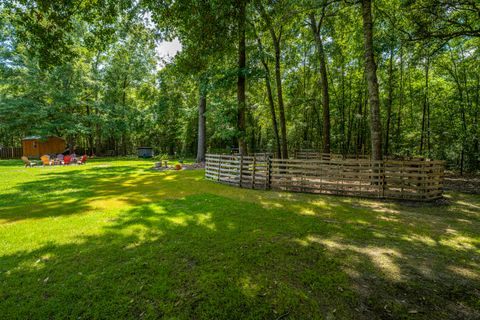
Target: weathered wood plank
x,y
416,179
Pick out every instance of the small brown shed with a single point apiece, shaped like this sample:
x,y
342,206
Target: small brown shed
x,y
36,146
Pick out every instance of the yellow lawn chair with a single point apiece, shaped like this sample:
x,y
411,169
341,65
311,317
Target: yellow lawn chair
x,y
27,162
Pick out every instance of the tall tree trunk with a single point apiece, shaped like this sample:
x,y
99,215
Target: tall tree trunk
x,y
364,124
124,106
89,136
252,127
278,77
241,97
359,123
371,71
124,144
324,81
463,104
343,116
400,105
273,113
94,128
410,93
389,102
270,97
202,108
476,135
466,104
281,107
425,106
351,112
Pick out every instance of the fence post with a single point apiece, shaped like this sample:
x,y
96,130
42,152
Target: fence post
x,y
302,181
13,156
269,173
219,167
423,181
402,179
241,170
383,177
253,171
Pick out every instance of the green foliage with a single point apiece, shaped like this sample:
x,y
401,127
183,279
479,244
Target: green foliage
x,y
88,71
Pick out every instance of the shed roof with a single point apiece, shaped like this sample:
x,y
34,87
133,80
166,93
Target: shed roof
x,y
32,138
40,138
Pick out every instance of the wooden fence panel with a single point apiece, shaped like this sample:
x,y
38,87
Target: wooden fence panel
x,y
241,171
317,155
342,177
413,179
410,179
10,153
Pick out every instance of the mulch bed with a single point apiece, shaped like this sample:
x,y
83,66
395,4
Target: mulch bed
x,y
465,183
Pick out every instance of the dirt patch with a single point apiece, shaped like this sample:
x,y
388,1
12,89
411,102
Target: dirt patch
x,y
466,183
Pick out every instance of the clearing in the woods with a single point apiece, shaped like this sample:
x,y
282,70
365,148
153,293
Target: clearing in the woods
x,y
114,239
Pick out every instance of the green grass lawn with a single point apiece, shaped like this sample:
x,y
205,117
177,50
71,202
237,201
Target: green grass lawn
x,y
113,239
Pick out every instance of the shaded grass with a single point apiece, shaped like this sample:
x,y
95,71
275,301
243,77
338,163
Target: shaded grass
x,y
113,239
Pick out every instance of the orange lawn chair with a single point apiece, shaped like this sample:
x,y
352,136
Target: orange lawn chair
x,y
46,160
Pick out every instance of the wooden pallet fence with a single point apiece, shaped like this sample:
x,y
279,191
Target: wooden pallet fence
x,y
10,153
308,154
340,177
241,171
413,179
316,155
391,179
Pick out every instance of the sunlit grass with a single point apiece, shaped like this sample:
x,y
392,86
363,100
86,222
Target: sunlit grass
x,y
114,239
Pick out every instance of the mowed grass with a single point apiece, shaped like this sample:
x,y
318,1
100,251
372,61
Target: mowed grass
x,y
113,240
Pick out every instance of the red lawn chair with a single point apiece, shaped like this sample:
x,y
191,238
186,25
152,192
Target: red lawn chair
x,y
67,160
83,159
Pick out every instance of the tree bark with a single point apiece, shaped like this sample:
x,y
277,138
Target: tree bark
x,y
124,107
400,105
241,97
371,72
359,123
389,102
281,107
476,144
270,97
425,105
351,113
272,111
278,78
202,108
324,81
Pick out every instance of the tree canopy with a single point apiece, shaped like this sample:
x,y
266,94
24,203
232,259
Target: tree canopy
x,y
352,77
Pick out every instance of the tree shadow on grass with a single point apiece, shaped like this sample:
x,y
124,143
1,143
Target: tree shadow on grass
x,y
75,191
207,256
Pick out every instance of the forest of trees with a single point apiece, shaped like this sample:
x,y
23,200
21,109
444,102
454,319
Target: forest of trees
x,y
383,77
